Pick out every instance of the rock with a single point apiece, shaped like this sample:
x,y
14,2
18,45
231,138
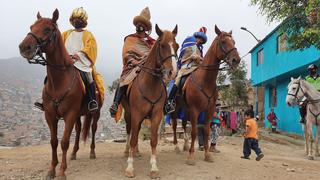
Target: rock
x,y
290,170
76,170
218,177
284,164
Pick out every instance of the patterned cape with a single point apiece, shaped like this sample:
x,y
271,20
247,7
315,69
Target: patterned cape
x,y
134,49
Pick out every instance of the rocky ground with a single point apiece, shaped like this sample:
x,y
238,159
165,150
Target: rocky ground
x,y
284,159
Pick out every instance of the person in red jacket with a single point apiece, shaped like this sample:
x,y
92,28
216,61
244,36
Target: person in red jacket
x,y
272,118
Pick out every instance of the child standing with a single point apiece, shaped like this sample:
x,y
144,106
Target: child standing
x,y
215,131
251,137
272,118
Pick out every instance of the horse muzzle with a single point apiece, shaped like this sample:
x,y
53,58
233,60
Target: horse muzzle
x,y
27,50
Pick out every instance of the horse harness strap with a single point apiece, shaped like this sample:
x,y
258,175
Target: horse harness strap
x,y
153,103
38,56
200,87
56,102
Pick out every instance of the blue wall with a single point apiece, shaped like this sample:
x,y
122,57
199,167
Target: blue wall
x,y
289,117
277,70
276,64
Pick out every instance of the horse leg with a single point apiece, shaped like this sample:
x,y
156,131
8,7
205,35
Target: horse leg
x,y
128,128
133,143
76,143
174,128
52,123
193,118
93,130
185,135
207,155
65,141
317,142
310,137
306,146
154,173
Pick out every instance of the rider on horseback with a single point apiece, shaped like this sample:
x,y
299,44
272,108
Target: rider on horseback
x,y
82,47
135,49
314,79
190,58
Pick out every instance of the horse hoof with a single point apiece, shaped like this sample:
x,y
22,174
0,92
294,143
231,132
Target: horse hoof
x,y
50,175
73,157
310,158
191,162
129,174
208,159
154,174
177,149
62,177
92,155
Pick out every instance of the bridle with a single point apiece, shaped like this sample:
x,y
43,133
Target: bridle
x,y
211,68
158,72
226,54
38,57
295,95
308,100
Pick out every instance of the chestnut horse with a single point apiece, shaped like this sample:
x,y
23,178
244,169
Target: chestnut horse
x,y
62,94
200,92
147,95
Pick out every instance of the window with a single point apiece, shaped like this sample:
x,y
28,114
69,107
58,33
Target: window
x,y
282,43
260,57
272,96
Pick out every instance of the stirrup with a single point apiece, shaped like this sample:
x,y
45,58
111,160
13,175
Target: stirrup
x,y
170,107
93,105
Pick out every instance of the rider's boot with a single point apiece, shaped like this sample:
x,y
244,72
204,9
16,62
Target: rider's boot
x,y
93,104
171,104
117,98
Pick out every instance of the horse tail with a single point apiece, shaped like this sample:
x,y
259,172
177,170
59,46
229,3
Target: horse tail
x,y
86,127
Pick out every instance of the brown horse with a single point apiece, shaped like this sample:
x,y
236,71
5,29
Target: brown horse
x,y
62,94
200,92
148,94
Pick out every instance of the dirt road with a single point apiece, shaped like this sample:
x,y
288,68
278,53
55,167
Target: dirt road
x,y
280,162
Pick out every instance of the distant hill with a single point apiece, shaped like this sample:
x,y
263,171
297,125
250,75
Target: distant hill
x,y
17,68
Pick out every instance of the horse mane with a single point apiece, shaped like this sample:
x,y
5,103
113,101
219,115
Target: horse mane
x,y
311,91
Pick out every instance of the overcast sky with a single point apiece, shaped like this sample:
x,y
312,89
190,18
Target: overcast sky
x,y
111,21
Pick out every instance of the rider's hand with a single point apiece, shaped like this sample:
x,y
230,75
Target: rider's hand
x,y
76,56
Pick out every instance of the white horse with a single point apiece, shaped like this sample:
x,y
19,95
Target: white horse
x,y
298,91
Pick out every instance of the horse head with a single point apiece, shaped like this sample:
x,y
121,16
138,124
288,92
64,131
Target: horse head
x,y
167,52
295,92
226,49
42,33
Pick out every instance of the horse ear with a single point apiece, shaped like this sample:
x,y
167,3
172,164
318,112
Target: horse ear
x,y
299,77
55,16
217,30
230,32
158,31
38,15
292,79
175,31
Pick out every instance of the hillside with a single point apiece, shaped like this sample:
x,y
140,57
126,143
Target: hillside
x,y
22,124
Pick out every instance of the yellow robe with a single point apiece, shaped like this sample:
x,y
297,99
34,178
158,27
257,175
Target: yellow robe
x,y
90,50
